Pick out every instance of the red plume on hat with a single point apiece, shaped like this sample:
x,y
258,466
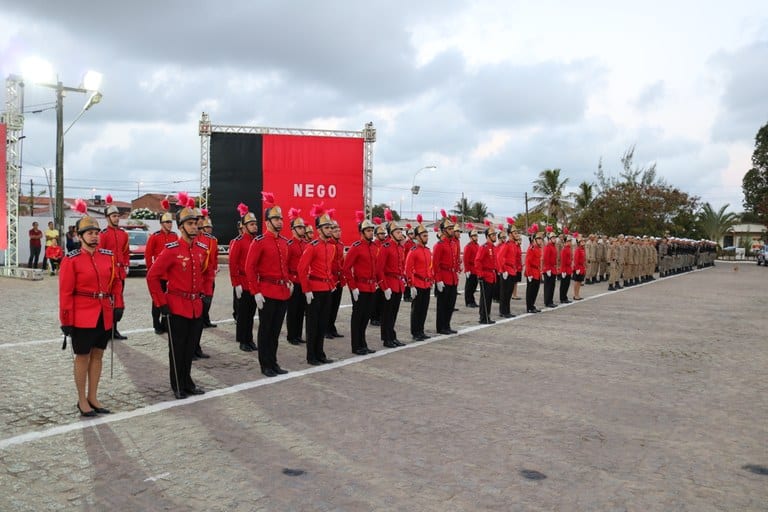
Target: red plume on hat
x,y
387,214
377,220
108,199
408,226
487,222
419,218
549,229
470,226
442,212
575,234
165,204
267,199
317,210
359,216
182,198
293,213
191,202
242,209
204,212
331,212
565,230
532,229
434,228
80,206
454,219
510,221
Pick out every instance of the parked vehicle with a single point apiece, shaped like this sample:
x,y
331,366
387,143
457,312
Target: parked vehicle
x,y
762,257
137,245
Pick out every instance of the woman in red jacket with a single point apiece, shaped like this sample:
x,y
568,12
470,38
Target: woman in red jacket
x,y
579,267
566,269
533,272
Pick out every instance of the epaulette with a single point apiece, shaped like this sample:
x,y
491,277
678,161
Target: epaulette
x,y
385,244
73,253
103,230
210,236
414,247
315,241
171,245
239,237
358,242
289,241
285,239
201,244
259,237
158,232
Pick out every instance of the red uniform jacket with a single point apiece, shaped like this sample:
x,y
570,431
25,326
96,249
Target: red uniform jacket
x,y
470,251
213,249
506,258
418,267
155,245
518,251
566,261
185,267
54,252
456,244
338,263
88,287
444,262
579,260
549,263
485,262
408,244
266,266
316,266
360,266
116,240
295,250
390,267
533,262
238,252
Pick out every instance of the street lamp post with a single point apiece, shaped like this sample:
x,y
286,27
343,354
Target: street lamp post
x,y
414,188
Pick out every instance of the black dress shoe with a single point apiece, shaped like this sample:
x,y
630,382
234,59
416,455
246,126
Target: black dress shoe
x,y
314,362
371,351
325,360
551,305
245,347
472,305
508,315
360,352
375,322
294,342
119,336
269,372
279,370
425,336
100,410
209,325
329,336
418,337
195,358
253,346
488,322
444,331
180,395
201,355
455,309
195,391
453,331
159,331
86,414
398,343
338,335
390,344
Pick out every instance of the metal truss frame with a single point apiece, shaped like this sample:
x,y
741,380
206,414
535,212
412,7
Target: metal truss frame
x,y
368,134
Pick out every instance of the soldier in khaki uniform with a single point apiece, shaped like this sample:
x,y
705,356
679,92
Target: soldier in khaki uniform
x,y
590,248
602,261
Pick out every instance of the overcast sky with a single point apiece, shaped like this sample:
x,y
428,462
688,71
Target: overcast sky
x,y
491,92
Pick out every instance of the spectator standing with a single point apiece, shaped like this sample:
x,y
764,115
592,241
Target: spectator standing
x,y
35,236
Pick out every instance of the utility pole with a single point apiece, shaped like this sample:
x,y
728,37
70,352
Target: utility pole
x,y
31,199
526,211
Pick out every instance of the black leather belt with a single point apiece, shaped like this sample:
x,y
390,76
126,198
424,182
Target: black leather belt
x,y
94,295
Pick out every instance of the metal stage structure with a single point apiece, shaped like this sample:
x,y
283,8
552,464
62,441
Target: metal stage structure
x,y
368,134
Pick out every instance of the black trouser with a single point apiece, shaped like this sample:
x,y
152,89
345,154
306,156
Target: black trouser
x,y
419,307
389,311
235,304
159,322
317,319
34,256
181,332
246,308
565,282
496,287
270,322
376,306
531,292
549,288
294,319
446,300
207,309
361,313
469,290
505,293
334,311
486,300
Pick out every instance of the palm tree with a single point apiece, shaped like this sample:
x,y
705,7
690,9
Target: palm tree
x,y
583,198
463,209
713,224
549,192
479,211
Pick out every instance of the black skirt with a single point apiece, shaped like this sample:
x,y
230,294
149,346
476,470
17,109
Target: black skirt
x,y
86,338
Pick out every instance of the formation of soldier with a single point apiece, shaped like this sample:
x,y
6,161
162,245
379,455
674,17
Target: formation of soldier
x,y
290,276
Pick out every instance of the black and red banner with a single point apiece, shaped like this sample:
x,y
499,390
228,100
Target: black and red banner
x,y
299,170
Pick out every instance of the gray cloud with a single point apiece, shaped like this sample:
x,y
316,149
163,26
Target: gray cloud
x,y
650,95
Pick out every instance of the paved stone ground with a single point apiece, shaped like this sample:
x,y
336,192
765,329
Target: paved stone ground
x,y
652,398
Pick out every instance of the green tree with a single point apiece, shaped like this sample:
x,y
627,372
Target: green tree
x,y
714,224
378,211
755,182
550,197
479,211
463,209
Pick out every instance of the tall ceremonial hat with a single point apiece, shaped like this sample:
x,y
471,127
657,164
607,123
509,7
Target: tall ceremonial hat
x,y
85,222
362,222
456,225
489,229
471,228
550,232
409,229
193,206
445,222
419,229
380,228
110,209
511,225
271,210
294,215
321,215
502,233
567,233
392,225
185,213
206,218
246,215
167,216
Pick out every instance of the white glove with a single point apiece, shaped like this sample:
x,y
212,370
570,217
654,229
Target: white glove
x,y
355,294
564,274
127,270
238,291
259,300
505,274
388,293
468,274
529,278
290,286
440,286
549,273
413,292
578,272
309,296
